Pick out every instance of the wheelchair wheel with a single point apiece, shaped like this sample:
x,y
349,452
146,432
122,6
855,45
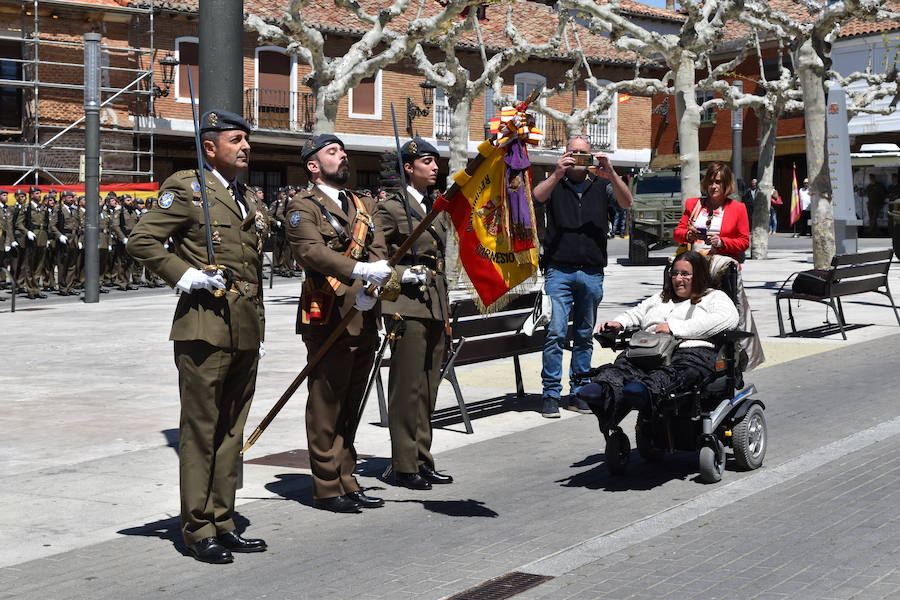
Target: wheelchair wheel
x,y
644,442
750,438
712,463
618,449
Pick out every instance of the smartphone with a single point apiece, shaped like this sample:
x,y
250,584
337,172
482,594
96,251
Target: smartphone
x,y
583,159
704,235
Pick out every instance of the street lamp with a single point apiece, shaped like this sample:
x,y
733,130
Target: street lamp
x,y
168,64
737,127
413,111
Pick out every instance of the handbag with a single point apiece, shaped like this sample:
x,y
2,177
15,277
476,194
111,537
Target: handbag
x,y
682,248
813,282
651,350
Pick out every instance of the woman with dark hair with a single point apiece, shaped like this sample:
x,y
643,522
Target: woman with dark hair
x,y
687,308
714,223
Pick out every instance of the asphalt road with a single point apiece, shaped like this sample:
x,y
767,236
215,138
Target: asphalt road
x,y
543,494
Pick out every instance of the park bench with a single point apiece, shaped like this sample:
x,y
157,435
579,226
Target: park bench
x,y
849,274
478,338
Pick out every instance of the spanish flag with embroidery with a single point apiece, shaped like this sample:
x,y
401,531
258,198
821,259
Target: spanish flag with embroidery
x,y
795,198
493,216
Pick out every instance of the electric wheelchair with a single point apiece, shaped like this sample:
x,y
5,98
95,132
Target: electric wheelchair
x,y
720,412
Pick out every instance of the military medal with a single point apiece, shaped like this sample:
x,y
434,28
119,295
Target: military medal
x,y
216,237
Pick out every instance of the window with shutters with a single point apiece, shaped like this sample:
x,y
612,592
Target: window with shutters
x,y
187,51
10,97
273,99
365,98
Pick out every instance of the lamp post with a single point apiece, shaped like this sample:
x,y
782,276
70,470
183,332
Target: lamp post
x,y
413,111
92,166
737,127
168,64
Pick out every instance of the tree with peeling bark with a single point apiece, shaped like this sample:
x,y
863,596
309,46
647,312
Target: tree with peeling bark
x,y
811,42
682,52
388,34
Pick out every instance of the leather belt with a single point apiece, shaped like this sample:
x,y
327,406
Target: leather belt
x,y
435,264
246,288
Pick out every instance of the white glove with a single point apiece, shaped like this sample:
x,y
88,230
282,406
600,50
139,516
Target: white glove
x,y
63,239
109,248
377,272
278,223
80,246
7,249
410,276
14,244
166,245
364,302
262,350
195,279
125,241
31,236
48,243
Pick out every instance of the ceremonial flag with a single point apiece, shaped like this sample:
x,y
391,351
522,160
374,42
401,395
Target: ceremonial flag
x,y
795,199
492,212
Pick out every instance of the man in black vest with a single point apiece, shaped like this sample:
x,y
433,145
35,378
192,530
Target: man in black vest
x,y
575,256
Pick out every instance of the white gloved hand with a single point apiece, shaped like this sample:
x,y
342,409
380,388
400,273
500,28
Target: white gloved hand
x,y
125,241
278,223
377,272
109,248
410,276
262,350
195,279
48,243
7,249
31,236
63,239
14,244
80,246
364,302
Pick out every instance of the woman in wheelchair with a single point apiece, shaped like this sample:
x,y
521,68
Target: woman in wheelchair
x,y
689,309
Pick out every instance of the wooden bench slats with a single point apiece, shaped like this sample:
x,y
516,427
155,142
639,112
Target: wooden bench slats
x,y
842,273
476,327
861,257
858,286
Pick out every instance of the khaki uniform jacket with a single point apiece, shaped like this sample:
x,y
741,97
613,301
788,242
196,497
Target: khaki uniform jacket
x,y
6,226
233,321
316,246
123,222
104,235
66,221
430,247
36,220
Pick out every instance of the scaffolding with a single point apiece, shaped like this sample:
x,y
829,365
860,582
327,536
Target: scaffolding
x,y
49,144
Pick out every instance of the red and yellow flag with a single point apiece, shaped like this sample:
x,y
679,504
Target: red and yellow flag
x,y
795,198
497,250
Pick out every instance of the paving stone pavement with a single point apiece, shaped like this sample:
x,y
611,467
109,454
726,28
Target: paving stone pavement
x,y
519,498
831,534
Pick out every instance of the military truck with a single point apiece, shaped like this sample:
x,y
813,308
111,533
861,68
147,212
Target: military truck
x,y
654,215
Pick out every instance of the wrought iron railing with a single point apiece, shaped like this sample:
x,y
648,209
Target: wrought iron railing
x,y
599,134
442,125
280,110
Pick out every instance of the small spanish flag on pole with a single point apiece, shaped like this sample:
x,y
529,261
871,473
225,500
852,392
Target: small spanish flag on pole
x,y
795,198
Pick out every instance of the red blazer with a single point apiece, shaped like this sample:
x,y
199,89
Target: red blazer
x,y
735,234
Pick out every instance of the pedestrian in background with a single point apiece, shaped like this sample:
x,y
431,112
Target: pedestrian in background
x,y
774,202
577,207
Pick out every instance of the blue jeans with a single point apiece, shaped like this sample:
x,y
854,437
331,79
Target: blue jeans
x,y
568,287
618,224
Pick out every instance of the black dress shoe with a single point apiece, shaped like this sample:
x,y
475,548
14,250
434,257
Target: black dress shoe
x,y
338,504
209,550
64,293
365,501
236,543
432,476
413,481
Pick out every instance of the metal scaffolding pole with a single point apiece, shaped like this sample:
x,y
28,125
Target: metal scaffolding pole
x,y
92,166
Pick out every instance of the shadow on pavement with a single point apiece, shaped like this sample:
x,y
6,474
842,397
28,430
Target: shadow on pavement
x,y
822,331
444,418
170,530
293,486
172,436
454,508
639,475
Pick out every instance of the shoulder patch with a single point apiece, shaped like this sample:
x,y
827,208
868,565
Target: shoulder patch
x,y
294,218
166,199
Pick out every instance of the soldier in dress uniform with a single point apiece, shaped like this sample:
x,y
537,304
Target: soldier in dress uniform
x,y
8,242
48,274
217,338
333,236
64,226
32,225
124,220
418,354
19,266
263,218
152,279
107,268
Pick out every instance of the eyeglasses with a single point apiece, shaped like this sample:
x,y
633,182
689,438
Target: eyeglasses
x,y
682,274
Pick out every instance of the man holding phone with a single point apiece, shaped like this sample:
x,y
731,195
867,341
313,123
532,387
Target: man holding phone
x,y
577,204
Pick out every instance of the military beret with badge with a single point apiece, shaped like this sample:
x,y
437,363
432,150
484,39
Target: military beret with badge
x,y
316,143
417,148
222,120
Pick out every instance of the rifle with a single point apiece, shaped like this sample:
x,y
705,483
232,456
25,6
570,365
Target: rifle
x,y
345,322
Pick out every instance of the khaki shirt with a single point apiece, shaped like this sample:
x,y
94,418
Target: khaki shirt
x,y
317,247
233,321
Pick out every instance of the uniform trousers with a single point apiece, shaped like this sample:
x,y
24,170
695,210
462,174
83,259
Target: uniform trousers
x,y
216,387
335,392
416,361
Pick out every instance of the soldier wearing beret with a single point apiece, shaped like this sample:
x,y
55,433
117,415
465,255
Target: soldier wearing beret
x,y
32,225
7,240
283,261
48,272
64,229
217,337
123,222
418,355
333,236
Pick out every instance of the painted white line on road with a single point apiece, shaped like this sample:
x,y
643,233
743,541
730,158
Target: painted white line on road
x,y
587,551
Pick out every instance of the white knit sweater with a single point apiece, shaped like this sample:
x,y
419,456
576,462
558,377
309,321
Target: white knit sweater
x,y
693,323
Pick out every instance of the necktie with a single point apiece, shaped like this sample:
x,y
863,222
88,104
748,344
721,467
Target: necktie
x,y
345,202
233,188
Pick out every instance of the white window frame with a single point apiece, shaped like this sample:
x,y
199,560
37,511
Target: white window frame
x,y
373,117
709,115
612,115
441,106
541,81
293,90
186,97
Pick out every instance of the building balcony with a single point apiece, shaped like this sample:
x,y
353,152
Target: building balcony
x,y
280,110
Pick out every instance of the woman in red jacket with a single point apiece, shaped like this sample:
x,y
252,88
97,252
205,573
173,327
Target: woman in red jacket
x,y
714,223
